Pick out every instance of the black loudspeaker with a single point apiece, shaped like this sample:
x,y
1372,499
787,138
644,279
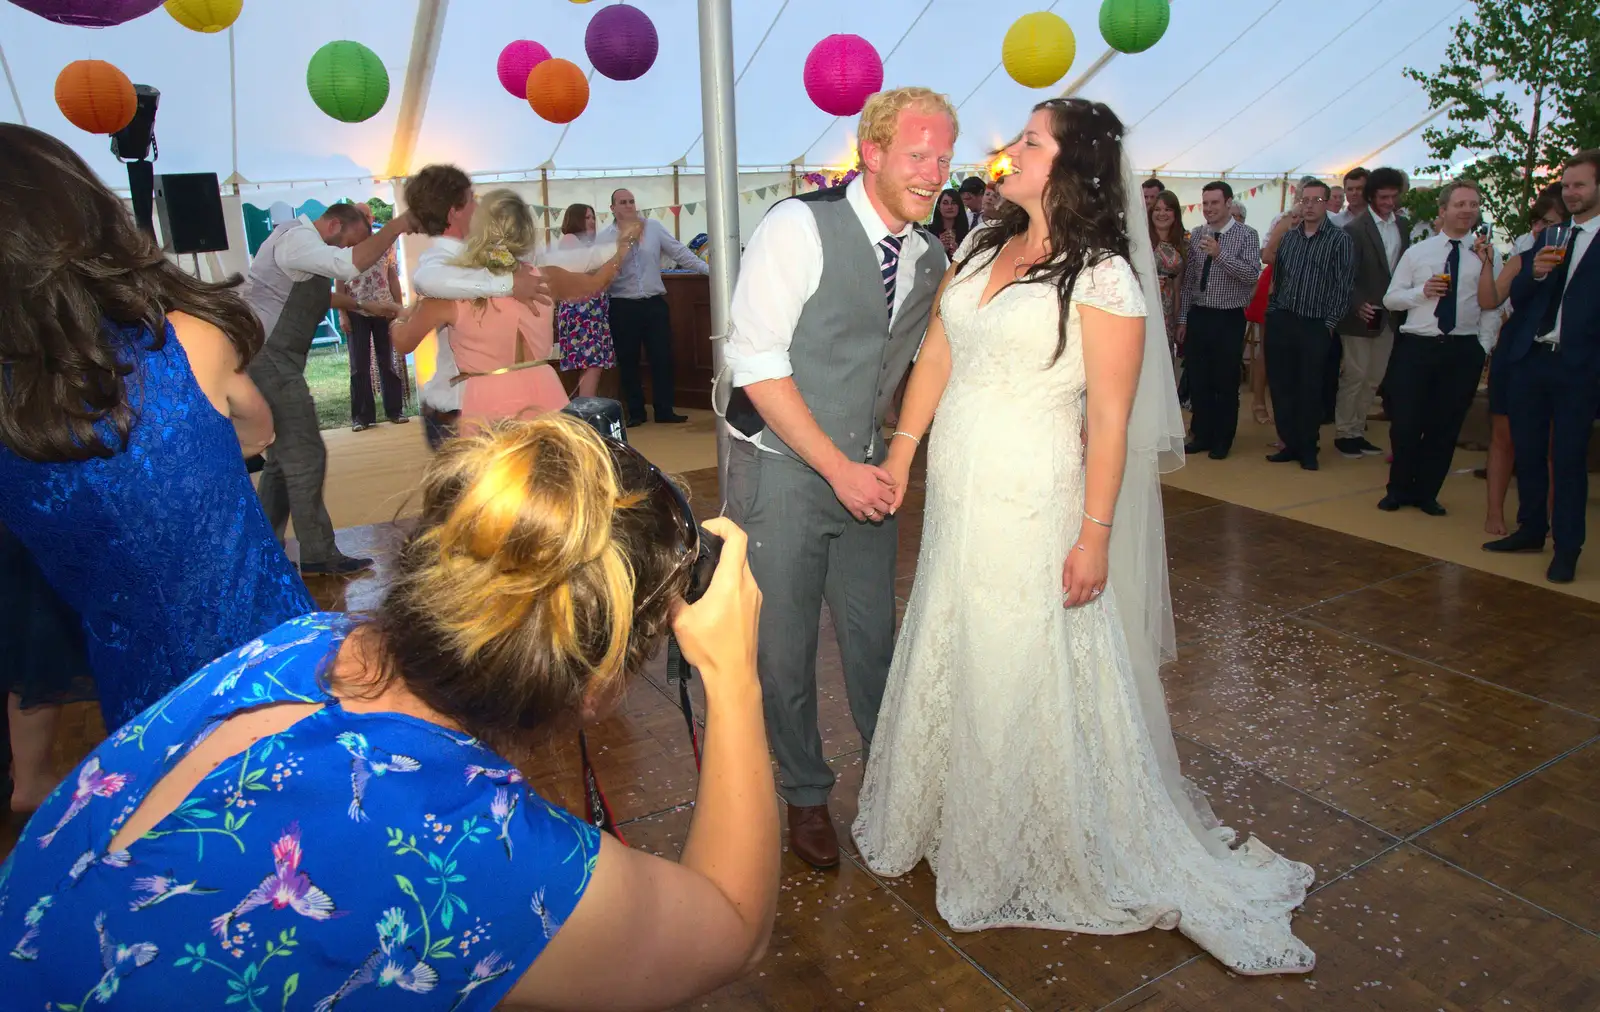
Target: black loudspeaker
x,y
190,207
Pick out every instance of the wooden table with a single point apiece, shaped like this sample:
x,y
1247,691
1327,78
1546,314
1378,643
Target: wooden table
x,y
689,302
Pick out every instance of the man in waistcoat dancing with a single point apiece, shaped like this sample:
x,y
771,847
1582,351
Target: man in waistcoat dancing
x,y
834,295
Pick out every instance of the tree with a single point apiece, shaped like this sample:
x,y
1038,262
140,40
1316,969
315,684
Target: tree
x,y
382,210
1520,79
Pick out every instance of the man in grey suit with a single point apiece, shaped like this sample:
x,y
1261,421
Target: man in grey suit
x,y
834,295
1367,332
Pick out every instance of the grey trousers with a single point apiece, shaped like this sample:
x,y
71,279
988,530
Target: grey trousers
x,y
805,548
297,460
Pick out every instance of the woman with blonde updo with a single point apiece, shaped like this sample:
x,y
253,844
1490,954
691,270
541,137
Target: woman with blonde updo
x,y
504,349
354,780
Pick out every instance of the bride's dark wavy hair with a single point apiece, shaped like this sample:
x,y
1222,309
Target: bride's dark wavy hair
x,y
1084,201
75,269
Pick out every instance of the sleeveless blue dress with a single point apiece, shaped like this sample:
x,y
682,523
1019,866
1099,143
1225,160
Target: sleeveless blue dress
x,y
338,863
162,549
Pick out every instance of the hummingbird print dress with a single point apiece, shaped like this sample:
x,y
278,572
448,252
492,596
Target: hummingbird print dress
x,y
352,861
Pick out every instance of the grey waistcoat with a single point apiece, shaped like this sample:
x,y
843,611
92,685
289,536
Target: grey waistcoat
x,y
303,311
847,359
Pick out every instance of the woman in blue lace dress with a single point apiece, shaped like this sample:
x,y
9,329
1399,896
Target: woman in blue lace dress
x,y
124,424
332,814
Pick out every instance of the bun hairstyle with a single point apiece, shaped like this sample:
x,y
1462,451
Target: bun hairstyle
x,y
1084,200
502,231
516,595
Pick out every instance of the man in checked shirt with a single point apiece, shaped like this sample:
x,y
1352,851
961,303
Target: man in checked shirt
x,y
1223,264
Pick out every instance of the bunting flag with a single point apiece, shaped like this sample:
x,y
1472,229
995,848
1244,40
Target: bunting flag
x,y
690,207
677,209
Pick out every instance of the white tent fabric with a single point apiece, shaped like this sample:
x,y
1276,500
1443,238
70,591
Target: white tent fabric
x,y
1256,87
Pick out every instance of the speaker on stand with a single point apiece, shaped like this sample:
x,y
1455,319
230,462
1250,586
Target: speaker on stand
x,y
190,207
136,145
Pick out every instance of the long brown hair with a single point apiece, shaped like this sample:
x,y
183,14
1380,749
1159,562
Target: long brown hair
x,y
1086,219
76,270
517,596
576,220
1179,239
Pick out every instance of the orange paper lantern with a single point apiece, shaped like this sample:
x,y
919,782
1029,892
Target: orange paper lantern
x,y
95,96
557,90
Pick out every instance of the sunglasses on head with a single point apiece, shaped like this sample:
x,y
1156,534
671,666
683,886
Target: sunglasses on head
x,y
699,549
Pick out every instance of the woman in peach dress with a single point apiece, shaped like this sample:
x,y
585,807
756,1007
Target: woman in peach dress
x,y
504,347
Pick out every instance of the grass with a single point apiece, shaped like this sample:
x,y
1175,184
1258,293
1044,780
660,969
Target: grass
x,y
328,375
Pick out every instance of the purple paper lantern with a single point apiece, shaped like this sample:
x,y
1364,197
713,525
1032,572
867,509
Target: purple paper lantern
x,y
841,72
516,60
621,42
89,13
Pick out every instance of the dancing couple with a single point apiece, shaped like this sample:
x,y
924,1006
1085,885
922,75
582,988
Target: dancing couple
x,y
1016,735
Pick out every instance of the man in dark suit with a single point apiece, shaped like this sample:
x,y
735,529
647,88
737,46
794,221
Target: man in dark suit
x,y
1366,334
1554,335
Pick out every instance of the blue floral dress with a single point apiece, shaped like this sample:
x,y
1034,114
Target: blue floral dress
x,y
353,860
583,330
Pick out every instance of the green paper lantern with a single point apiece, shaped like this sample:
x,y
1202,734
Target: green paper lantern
x,y
1132,26
347,81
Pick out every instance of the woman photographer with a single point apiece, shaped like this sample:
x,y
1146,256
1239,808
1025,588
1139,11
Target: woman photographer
x,y
336,807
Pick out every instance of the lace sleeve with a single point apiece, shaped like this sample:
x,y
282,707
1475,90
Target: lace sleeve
x,y
1110,285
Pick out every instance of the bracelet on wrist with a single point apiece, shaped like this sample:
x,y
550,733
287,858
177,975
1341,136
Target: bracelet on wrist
x,y
1092,520
899,432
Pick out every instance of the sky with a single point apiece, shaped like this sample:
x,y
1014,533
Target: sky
x,y
1251,87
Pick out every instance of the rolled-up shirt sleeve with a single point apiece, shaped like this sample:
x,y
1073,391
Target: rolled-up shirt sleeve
x,y
303,250
780,271
440,279
680,254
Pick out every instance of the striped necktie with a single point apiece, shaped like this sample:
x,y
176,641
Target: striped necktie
x,y
890,244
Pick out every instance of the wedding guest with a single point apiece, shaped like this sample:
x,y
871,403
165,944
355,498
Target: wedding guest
x,y
1220,271
1170,241
971,195
583,328
640,321
1151,189
545,570
123,433
951,221
1366,334
377,286
1439,356
1355,184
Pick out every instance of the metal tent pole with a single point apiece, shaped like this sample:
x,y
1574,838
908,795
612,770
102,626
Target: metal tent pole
x,y
722,188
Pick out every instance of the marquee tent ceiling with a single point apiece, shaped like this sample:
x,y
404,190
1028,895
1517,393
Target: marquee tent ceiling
x,y
1254,87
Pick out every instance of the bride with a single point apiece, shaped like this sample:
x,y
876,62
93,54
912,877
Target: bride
x,y
1023,747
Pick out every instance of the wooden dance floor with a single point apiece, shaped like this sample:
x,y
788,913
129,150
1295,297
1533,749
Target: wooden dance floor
x,y
1426,735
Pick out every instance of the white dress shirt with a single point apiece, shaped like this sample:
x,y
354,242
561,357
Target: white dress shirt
x,y
780,271
1341,218
639,277
437,278
1421,262
292,253
1585,235
1389,232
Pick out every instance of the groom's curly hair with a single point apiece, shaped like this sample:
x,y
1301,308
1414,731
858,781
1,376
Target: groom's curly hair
x,y
1084,198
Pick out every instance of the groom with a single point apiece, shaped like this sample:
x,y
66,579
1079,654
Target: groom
x,y
832,302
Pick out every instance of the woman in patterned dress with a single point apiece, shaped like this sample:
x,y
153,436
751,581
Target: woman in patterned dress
x,y
334,810
583,329
1167,235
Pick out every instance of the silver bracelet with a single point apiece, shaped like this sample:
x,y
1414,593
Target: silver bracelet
x,y
908,435
1102,523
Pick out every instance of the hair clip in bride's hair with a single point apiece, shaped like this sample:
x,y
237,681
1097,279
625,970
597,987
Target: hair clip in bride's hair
x,y
500,256
1097,180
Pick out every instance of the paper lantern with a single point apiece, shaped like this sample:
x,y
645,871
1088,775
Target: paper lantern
x,y
515,61
347,81
204,15
557,90
841,72
1038,49
621,42
89,13
95,96
1132,26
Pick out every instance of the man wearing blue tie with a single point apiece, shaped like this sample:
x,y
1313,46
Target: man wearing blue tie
x,y
1554,332
1439,352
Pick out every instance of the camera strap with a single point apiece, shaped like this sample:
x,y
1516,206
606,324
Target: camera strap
x,y
599,808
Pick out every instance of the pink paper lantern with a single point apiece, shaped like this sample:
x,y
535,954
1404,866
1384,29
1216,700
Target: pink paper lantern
x,y
516,60
841,72
89,13
621,42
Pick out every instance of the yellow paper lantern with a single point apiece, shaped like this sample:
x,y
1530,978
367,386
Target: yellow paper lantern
x,y
206,16
1038,49
95,96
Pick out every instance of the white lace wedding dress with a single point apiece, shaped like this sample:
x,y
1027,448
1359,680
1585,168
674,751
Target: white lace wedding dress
x,y
1011,750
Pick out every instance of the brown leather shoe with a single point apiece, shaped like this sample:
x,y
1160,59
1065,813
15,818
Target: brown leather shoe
x,y
812,836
